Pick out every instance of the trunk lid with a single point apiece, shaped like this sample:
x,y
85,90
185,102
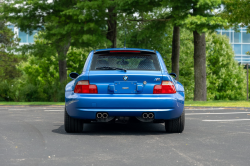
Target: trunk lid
x,y
113,81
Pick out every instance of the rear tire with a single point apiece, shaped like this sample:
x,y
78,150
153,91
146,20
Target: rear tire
x,y
72,125
175,125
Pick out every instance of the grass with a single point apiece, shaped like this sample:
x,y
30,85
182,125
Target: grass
x,y
32,103
218,103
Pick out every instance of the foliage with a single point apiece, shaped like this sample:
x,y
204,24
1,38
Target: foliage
x,y
36,77
39,81
226,79
186,73
236,12
8,61
63,24
41,76
137,6
196,15
57,20
148,35
223,72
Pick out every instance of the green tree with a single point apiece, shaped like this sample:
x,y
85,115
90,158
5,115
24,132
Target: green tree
x,y
198,16
225,78
39,81
8,61
60,27
224,75
236,12
165,14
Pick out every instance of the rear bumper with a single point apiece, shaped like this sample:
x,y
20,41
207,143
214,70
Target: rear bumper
x,y
85,106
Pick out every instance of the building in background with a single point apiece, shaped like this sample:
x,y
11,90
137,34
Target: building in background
x,y
240,42
25,38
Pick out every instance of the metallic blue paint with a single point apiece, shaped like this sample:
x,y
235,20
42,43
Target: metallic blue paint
x,y
85,106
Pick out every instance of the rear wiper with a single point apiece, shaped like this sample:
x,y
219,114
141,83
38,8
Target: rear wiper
x,y
111,68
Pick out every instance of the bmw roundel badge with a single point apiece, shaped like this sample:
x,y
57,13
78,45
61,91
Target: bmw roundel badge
x,y
125,78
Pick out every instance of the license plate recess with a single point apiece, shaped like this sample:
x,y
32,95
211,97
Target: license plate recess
x,y
125,87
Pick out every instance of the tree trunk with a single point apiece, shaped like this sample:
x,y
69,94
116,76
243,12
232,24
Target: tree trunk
x,y
200,88
176,51
62,50
112,26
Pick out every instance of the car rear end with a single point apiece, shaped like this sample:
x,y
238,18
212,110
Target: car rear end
x,y
123,84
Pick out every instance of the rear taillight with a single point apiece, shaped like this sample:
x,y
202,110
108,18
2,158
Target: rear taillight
x,y
166,87
84,87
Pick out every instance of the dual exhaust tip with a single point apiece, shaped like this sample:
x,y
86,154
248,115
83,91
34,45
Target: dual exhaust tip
x,y
101,115
148,115
104,115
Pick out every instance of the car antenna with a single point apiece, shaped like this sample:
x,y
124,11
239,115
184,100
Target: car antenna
x,y
125,39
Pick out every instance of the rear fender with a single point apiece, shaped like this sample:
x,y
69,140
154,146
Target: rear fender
x,y
180,90
179,87
71,85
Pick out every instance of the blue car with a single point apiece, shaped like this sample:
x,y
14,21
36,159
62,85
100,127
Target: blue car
x,y
123,85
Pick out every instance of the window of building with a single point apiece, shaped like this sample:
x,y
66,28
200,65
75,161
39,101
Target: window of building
x,y
246,59
237,49
31,38
231,38
240,42
26,38
245,37
245,48
238,57
237,37
23,37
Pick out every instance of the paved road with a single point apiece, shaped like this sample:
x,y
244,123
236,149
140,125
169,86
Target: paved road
x,y
31,136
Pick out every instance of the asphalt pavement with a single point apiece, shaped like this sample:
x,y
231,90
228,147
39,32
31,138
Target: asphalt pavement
x,y
35,136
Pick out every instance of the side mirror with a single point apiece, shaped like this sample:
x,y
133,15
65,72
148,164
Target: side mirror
x,y
73,75
173,74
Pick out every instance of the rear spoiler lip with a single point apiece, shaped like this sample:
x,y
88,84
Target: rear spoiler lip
x,y
123,51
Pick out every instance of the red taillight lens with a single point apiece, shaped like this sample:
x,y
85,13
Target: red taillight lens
x,y
166,87
84,87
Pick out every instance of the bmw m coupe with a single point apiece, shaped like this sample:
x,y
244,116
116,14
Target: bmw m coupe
x,y
123,85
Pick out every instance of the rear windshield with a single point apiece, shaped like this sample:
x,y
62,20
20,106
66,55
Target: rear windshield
x,y
125,61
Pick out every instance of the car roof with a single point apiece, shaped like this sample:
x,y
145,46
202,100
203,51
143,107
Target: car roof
x,y
136,49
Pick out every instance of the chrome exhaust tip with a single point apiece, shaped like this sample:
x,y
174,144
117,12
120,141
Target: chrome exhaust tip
x,y
150,115
105,115
99,115
144,115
